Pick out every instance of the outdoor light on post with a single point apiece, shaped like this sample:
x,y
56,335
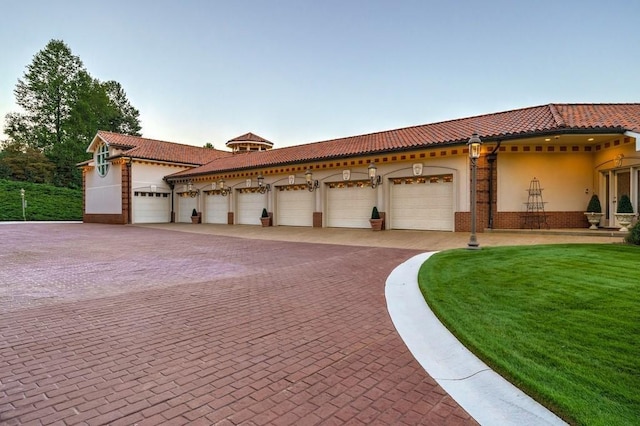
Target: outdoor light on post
x,y
312,185
24,204
375,180
262,188
474,153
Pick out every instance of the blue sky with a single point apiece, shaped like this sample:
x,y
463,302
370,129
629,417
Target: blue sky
x,y
298,71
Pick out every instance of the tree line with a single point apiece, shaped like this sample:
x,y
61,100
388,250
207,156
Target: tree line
x,y
63,107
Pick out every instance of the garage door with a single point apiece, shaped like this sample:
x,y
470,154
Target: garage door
x,y
250,205
295,205
424,203
215,207
350,204
151,207
186,204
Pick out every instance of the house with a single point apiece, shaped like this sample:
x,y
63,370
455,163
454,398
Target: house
x,y
418,177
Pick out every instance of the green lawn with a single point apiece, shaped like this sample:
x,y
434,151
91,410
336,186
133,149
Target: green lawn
x,y
561,322
44,202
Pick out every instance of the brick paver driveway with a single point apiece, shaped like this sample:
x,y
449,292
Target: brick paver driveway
x,y
123,325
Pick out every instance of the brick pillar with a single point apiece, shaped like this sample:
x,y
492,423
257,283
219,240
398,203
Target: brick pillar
x,y
84,194
317,219
126,193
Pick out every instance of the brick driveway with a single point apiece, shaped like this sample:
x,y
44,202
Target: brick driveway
x,y
123,325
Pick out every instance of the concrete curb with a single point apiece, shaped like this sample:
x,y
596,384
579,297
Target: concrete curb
x,y
483,393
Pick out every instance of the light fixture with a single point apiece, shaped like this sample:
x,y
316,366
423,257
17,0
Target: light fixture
x,y
190,191
312,185
224,191
474,153
262,188
375,180
24,204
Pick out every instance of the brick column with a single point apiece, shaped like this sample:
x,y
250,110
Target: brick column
x,y
317,219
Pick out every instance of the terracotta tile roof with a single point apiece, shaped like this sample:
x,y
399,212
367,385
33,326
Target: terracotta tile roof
x,y
250,137
151,149
549,119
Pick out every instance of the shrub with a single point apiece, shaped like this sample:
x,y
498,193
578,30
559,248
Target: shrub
x,y
374,213
594,205
624,205
194,212
633,237
264,213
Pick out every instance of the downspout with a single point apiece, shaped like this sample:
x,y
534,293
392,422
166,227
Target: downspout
x,y
491,159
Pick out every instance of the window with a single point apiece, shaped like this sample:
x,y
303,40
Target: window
x,y
101,159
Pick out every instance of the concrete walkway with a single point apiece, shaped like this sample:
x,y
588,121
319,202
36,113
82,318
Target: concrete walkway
x,y
182,324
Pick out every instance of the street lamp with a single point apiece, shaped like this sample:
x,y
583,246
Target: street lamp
x,y
474,153
24,217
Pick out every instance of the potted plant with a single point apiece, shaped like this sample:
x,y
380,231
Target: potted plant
x,y
196,217
594,212
375,221
265,219
624,213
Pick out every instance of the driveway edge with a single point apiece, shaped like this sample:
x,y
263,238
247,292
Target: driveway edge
x,y
484,394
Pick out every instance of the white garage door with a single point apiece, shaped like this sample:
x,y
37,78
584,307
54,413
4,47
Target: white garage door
x,y
350,204
186,205
250,205
215,208
151,207
424,203
295,206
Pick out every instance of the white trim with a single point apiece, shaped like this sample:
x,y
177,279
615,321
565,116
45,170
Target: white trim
x,y
636,136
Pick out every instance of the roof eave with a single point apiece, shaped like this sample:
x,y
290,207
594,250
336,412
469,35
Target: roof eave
x,y
485,138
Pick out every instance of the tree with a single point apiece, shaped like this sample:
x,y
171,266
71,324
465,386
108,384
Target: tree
x,y
126,118
20,162
64,107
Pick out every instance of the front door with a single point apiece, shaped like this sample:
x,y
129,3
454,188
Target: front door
x,y
621,186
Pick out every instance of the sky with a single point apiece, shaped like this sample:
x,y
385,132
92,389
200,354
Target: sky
x,y
300,71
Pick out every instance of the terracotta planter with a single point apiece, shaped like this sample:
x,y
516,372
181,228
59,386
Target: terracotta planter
x,y
196,219
376,224
266,221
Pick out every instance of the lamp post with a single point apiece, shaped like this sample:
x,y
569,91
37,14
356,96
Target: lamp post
x,y
24,217
474,153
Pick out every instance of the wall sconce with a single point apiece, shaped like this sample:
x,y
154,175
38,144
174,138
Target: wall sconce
x,y
190,191
262,188
223,190
375,180
312,185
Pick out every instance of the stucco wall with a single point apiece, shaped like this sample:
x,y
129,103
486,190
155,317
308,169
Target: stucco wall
x,y
143,175
564,179
103,194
